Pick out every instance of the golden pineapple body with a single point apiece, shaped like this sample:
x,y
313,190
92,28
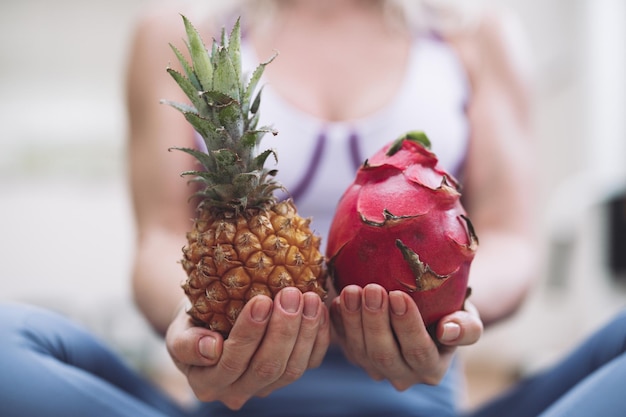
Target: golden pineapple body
x,y
230,259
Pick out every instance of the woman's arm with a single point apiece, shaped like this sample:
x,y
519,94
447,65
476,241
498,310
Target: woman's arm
x,y
159,193
499,173
273,341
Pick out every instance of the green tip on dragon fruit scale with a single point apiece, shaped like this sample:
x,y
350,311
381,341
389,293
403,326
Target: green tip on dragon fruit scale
x,y
416,136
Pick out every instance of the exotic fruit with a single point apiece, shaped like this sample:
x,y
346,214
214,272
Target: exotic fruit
x,y
401,224
243,242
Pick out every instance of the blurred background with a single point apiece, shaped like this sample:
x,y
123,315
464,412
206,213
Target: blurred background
x,y
65,217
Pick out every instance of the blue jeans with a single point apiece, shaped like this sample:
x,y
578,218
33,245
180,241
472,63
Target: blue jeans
x,y
588,382
52,367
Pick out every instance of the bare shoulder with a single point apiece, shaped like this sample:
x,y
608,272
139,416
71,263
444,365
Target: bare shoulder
x,y
496,55
496,49
162,24
155,29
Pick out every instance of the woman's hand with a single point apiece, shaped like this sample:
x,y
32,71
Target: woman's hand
x,y
271,345
385,335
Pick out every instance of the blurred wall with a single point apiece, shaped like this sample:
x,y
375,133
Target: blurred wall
x,y
64,215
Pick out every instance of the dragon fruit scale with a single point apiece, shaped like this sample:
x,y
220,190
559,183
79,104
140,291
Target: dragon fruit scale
x,y
401,224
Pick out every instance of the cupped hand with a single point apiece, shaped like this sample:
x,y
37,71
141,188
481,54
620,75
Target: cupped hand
x,y
271,345
384,334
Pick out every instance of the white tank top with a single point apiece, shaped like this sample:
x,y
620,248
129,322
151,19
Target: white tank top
x,y
317,160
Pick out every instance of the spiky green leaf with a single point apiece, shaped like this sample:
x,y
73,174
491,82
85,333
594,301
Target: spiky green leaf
x,y
259,161
245,182
217,99
212,136
254,107
234,50
181,107
252,122
204,177
205,159
228,165
186,67
231,118
253,83
225,192
190,91
225,78
200,59
252,138
224,111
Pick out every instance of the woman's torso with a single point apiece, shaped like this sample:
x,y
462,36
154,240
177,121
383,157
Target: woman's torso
x,y
317,159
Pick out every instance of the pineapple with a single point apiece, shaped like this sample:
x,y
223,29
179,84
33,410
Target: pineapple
x,y
243,241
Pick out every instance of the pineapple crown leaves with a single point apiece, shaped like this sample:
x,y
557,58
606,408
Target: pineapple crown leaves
x,y
223,110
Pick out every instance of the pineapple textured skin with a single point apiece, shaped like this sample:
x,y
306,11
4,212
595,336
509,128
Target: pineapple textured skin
x,y
229,260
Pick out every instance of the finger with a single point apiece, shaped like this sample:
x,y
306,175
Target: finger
x,y
311,334
354,343
337,320
382,348
270,360
418,348
460,328
300,357
189,345
238,350
322,341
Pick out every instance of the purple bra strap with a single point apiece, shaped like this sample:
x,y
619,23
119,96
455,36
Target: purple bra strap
x,y
355,151
301,188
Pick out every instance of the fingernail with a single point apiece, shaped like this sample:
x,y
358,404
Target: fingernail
x,y
451,332
311,305
207,347
261,308
397,303
290,299
373,297
352,298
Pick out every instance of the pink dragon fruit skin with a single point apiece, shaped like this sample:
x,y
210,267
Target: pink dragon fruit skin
x,y
401,224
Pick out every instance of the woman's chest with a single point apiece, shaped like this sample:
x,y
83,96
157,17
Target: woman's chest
x,y
339,81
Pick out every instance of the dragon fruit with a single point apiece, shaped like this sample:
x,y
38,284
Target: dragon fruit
x,y
401,224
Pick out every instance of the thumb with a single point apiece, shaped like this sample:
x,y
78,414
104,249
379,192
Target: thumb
x,y
190,345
